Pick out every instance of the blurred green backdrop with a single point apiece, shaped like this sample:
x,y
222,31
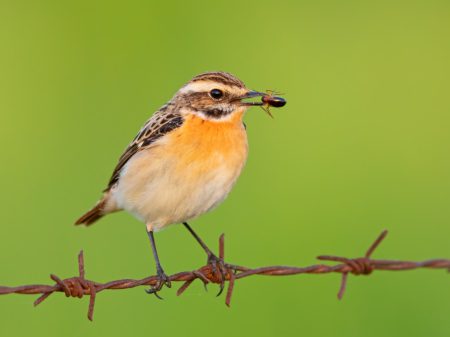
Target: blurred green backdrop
x,y
362,145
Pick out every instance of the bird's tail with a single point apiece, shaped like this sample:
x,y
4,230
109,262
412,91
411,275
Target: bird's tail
x,y
93,215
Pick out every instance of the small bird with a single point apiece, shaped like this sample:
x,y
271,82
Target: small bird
x,y
184,161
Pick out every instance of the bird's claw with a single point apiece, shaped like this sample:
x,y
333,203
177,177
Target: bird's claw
x,y
163,280
218,265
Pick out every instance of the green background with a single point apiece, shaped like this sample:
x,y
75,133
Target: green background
x,y
362,145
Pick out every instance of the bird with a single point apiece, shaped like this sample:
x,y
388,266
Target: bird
x,y
183,162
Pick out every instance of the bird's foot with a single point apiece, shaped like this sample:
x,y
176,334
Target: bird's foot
x,y
163,280
219,269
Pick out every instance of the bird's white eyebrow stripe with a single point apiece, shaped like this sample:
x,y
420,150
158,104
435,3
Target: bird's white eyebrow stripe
x,y
200,86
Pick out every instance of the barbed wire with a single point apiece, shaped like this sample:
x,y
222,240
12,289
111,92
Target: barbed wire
x,y
78,286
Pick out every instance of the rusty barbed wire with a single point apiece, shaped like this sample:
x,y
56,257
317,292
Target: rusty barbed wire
x,y
79,286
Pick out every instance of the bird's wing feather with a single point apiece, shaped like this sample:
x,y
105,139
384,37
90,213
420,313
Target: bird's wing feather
x,y
161,123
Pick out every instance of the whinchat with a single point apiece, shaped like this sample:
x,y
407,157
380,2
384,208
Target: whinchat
x,y
185,159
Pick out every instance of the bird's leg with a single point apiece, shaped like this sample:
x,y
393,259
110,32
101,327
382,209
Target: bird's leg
x,y
208,251
216,263
163,279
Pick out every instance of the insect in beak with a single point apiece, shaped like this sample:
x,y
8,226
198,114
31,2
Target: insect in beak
x,y
268,100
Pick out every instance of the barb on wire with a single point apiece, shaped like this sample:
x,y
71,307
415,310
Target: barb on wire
x,y
78,286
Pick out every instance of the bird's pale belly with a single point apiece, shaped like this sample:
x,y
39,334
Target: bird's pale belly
x,y
184,175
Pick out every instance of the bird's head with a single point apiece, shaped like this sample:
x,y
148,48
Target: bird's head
x,y
215,96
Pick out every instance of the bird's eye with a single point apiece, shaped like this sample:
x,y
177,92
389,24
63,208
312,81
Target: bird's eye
x,y
216,93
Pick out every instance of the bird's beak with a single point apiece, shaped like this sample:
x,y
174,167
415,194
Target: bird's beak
x,y
251,94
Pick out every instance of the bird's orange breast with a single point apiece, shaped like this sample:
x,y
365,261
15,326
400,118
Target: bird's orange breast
x,y
205,145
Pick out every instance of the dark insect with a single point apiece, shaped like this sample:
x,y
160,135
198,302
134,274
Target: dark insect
x,y
273,101
270,100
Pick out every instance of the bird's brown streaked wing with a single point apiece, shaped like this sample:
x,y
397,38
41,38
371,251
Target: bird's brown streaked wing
x,y
160,124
